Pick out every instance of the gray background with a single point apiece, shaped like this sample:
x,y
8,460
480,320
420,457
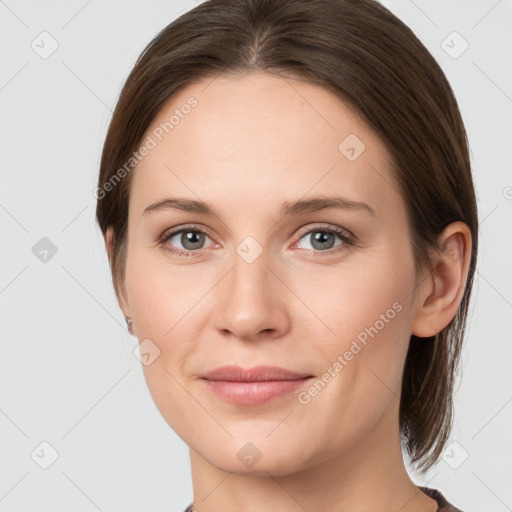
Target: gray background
x,y
68,375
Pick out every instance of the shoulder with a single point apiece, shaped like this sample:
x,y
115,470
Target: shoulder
x,y
443,504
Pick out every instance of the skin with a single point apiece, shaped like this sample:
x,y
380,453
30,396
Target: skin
x,y
253,142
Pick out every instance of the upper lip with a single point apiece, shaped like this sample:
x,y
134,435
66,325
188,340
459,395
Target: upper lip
x,y
255,374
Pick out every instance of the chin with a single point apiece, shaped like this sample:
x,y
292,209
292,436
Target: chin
x,y
256,455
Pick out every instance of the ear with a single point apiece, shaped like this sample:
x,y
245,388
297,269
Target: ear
x,y
110,245
440,293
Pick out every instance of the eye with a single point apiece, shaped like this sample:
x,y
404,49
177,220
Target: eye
x,y
190,238
323,239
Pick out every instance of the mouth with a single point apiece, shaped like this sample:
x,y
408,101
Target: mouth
x,y
255,385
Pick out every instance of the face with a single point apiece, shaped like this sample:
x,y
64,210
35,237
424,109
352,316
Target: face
x,y
268,274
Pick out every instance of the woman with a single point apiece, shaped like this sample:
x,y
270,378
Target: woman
x,y
287,203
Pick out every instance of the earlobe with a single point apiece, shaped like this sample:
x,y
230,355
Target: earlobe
x,y
440,294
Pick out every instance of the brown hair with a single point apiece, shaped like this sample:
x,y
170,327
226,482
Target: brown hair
x,y
364,54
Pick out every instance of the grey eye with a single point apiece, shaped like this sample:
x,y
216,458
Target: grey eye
x,y
321,239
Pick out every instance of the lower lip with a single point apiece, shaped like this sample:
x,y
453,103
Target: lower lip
x,y
253,393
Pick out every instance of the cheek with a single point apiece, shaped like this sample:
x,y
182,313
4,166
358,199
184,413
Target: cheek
x,y
368,315
165,303
351,299
361,363
163,298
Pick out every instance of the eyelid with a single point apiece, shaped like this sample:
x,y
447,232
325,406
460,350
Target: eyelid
x,y
342,232
178,229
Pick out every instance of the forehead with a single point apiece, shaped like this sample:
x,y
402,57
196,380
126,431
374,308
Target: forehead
x,y
257,138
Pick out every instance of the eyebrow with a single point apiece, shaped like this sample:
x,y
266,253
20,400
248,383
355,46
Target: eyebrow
x,y
288,208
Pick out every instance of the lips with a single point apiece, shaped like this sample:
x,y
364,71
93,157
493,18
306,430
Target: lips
x,y
255,374
253,386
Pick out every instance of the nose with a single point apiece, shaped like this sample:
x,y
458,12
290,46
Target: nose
x,y
251,301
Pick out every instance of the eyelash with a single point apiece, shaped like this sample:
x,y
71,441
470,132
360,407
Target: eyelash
x,y
346,237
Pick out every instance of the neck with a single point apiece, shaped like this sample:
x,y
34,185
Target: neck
x,y
371,475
